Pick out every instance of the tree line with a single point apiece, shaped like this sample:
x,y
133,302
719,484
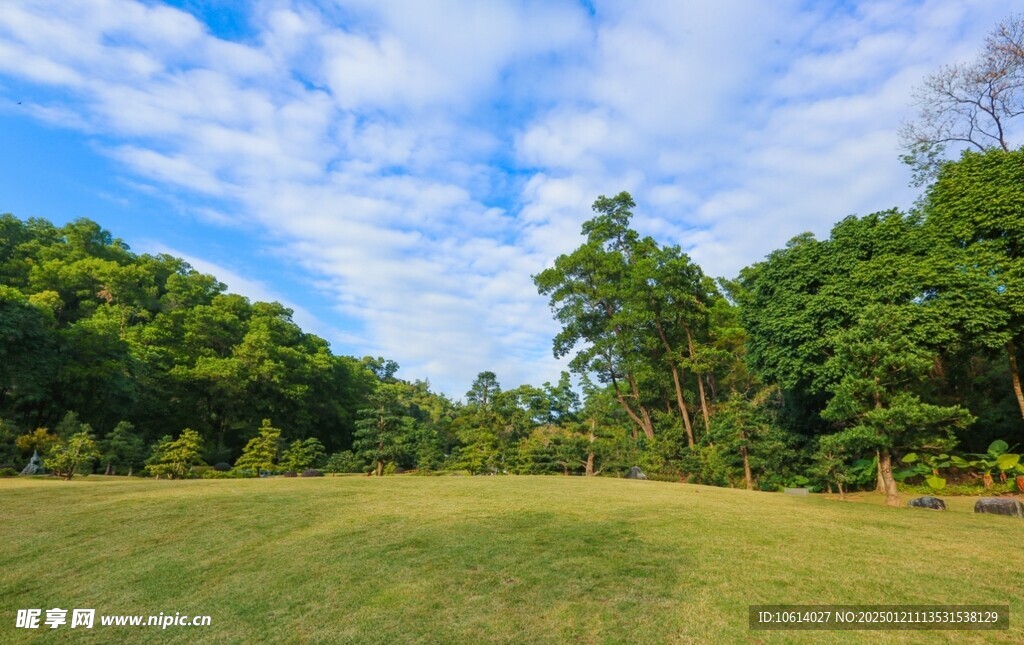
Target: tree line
x,y
889,351
829,362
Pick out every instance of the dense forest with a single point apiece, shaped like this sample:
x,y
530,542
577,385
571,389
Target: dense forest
x,y
889,351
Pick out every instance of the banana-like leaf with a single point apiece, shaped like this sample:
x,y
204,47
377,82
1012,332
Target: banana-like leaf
x,y
960,462
900,475
1006,462
998,447
936,483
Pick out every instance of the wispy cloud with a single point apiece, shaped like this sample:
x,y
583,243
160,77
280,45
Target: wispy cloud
x,y
424,159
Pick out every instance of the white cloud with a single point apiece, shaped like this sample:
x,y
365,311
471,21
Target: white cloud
x,y
425,158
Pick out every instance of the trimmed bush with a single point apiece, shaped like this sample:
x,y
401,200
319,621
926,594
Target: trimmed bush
x,y
218,474
222,466
289,473
10,472
345,462
199,471
312,472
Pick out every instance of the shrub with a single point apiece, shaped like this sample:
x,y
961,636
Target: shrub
x,y
963,489
345,462
8,472
312,472
220,474
289,473
222,466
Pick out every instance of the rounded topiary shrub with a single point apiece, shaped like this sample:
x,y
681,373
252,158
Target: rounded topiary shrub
x,y
289,473
8,472
222,466
312,472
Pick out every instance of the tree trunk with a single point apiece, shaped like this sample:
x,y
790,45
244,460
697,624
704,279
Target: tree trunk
x,y
682,407
645,421
892,495
109,465
842,493
380,468
130,470
1011,350
678,385
746,465
700,383
879,482
590,454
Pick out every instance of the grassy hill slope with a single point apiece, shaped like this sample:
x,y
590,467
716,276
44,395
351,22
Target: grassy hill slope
x,y
460,559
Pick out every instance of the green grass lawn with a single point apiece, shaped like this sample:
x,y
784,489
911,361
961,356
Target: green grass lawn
x,y
482,559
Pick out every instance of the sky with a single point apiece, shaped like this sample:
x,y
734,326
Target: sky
x,y
396,172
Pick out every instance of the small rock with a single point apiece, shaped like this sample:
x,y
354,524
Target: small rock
x,y
999,506
933,503
635,473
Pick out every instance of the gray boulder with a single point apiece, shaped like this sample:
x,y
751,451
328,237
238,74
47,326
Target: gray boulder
x,y
933,503
999,506
635,473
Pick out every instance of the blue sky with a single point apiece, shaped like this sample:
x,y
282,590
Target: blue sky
x,y
396,171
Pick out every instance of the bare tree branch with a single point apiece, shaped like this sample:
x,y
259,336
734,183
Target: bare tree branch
x,y
968,105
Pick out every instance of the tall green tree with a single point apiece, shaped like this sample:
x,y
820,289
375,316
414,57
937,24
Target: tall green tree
x,y
881,363
485,387
303,454
382,429
28,352
975,209
589,295
261,452
122,447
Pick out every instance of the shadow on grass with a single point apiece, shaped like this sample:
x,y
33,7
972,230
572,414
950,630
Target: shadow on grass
x,y
527,576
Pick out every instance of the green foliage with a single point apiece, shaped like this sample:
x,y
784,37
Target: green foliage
x,y
174,459
221,474
260,453
925,466
831,462
383,429
881,337
345,462
303,455
880,366
86,325
122,447
996,459
72,454
40,440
